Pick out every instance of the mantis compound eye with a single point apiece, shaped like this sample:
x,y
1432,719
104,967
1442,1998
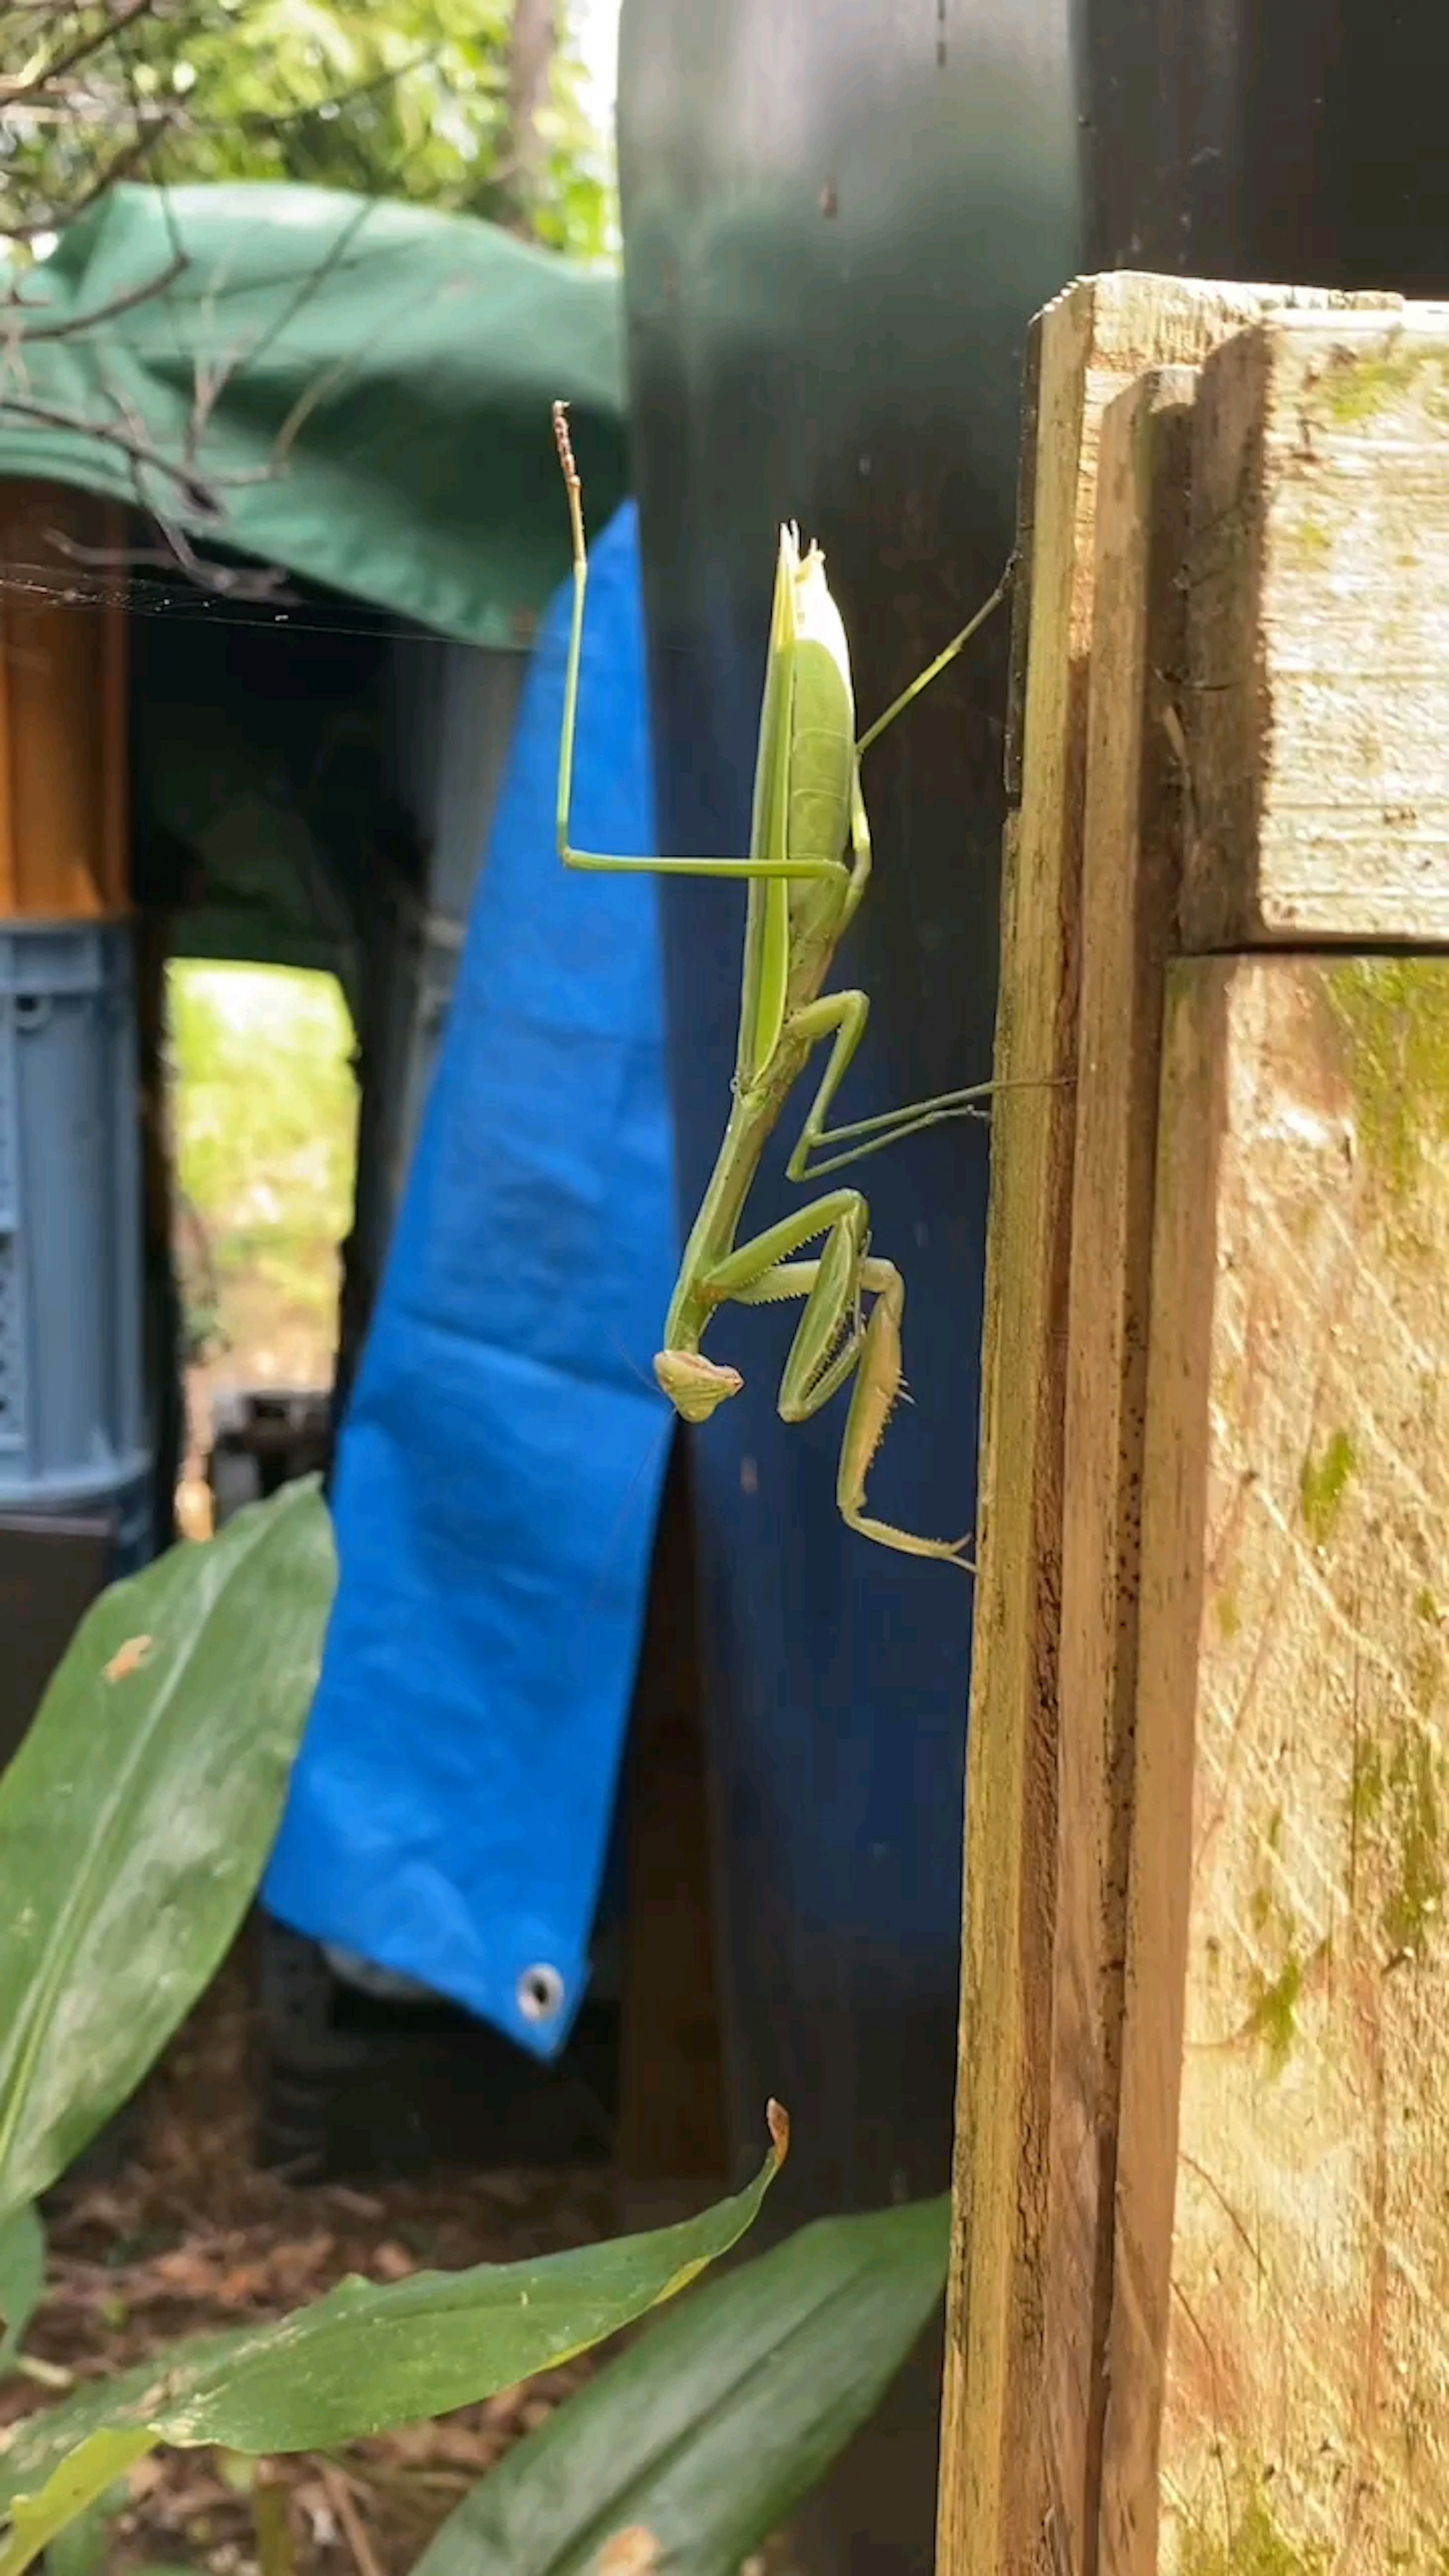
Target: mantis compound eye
x,y
693,1384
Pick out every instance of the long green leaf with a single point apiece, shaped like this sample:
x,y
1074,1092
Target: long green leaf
x,y
82,2547
360,2359
701,2440
22,2278
136,1818
70,2495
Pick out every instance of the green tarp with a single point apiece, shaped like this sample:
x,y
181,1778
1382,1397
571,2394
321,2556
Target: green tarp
x,y
356,391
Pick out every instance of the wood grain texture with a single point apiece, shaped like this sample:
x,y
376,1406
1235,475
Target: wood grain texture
x,y
1289,1853
1131,864
995,2507
1159,1824
994,2322
999,2514
1318,704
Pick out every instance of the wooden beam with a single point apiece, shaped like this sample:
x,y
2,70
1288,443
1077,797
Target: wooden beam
x,y
1277,2352
1008,2502
1319,649
1131,865
995,2500
1285,2231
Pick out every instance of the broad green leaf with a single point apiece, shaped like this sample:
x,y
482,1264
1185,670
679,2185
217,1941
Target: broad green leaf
x,y
136,1818
704,2437
22,2277
365,2357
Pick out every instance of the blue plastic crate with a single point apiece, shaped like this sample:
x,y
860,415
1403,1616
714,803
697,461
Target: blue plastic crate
x,y
72,1393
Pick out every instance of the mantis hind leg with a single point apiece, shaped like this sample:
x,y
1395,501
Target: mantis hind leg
x,y
877,1388
835,1339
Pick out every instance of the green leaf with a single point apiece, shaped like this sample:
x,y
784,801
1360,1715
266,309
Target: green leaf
x,y
22,2277
82,2546
705,2436
365,2357
69,2496
136,1818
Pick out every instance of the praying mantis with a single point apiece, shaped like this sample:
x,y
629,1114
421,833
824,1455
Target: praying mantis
x,y
804,891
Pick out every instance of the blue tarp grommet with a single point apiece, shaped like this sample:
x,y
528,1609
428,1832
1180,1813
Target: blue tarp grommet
x,y
541,1992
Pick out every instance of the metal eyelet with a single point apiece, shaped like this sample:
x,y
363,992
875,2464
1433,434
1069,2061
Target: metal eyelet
x,y
539,1993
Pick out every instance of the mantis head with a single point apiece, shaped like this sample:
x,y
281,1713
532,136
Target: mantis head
x,y
693,1384
811,614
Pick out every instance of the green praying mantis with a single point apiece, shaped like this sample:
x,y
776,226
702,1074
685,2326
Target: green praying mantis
x,y
804,891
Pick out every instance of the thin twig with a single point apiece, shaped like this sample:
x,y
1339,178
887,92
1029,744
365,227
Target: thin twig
x,y
211,380
116,168
270,121
41,77
323,384
331,259
339,2496
157,285
263,582
140,451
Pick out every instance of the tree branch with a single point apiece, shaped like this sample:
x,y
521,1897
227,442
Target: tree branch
x,y
37,77
118,167
199,496
226,581
530,74
118,304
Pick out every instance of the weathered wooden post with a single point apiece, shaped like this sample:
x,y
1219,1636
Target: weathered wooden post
x,y
1198,2253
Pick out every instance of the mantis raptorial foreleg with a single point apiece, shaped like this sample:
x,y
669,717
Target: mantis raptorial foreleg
x,y
808,811
833,1339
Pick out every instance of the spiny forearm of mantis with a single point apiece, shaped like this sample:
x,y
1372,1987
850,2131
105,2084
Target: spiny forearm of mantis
x,y
807,868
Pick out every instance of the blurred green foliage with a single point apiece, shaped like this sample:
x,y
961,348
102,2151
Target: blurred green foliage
x,y
395,98
265,1118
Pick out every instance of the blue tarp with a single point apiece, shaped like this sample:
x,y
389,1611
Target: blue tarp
x,y
499,1470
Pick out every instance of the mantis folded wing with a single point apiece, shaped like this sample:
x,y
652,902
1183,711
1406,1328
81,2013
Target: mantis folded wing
x,y
808,867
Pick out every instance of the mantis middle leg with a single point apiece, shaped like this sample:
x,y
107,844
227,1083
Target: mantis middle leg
x,y
844,1016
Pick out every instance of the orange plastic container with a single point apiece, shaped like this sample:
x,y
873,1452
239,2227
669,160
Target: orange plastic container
x,y
64,788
